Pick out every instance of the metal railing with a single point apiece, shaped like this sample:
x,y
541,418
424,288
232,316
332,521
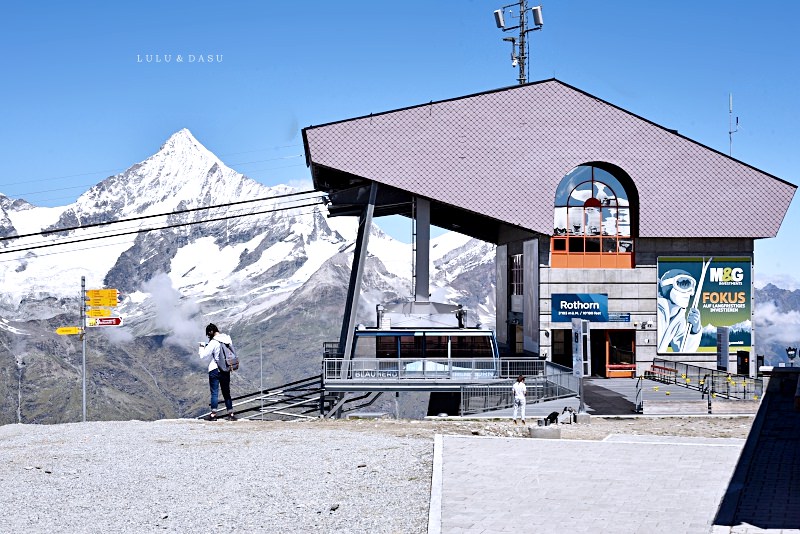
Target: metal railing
x,y
707,381
299,399
388,369
552,382
331,349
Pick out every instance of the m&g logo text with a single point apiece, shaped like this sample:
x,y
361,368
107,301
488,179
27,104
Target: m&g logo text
x,y
726,275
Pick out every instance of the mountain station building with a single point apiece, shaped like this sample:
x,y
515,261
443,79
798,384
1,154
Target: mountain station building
x,y
596,213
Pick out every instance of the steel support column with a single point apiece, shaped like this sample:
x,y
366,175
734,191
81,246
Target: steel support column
x,y
356,274
422,292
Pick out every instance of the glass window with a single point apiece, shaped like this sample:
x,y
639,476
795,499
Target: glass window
x,y
592,208
436,347
517,286
625,222
410,346
593,224
575,221
471,347
365,347
560,223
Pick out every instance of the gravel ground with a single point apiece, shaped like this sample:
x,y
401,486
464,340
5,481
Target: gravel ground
x,y
249,476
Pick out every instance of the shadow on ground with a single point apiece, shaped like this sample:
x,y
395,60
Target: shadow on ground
x,y
603,400
763,491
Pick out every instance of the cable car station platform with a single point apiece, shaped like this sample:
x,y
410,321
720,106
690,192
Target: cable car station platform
x,y
453,375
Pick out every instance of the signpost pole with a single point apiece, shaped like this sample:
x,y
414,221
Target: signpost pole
x,y
261,372
83,339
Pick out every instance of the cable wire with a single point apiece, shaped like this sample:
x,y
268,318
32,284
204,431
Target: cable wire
x,y
143,230
115,244
143,217
230,213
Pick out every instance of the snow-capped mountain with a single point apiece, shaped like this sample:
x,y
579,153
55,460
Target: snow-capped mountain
x,y
272,272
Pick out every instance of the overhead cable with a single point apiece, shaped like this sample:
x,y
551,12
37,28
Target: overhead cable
x,y
143,217
143,230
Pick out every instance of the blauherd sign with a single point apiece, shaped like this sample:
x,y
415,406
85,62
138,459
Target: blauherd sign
x,y
587,306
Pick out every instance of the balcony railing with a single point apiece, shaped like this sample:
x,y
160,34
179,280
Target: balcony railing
x,y
387,369
462,369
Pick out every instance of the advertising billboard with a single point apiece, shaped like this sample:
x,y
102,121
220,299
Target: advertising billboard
x,y
696,295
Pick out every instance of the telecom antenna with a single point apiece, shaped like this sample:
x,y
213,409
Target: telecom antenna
x,y
519,45
731,129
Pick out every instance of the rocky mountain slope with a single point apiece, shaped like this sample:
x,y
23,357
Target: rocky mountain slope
x,y
272,272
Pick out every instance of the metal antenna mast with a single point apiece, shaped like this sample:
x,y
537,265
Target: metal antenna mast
x,y
731,129
519,56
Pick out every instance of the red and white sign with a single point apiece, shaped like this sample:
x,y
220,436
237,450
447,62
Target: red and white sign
x,y
104,321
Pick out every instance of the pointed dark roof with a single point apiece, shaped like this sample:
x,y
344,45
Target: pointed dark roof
x,y
501,155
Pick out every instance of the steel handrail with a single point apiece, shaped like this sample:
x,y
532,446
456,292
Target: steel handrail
x,y
388,369
555,382
713,382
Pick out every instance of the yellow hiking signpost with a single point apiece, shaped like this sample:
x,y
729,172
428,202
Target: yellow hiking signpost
x,y
108,293
101,301
95,307
101,297
68,330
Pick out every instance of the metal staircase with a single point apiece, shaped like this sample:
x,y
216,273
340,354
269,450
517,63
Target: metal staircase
x,y
302,399
294,400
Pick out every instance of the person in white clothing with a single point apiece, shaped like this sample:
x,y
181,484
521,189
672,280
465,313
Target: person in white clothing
x,y
519,398
219,376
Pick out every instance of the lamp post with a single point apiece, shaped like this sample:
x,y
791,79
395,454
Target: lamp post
x,y
791,352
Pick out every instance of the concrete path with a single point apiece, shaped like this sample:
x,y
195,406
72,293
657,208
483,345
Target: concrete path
x,y
620,485
605,396
625,484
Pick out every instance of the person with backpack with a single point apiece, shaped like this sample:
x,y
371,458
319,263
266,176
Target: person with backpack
x,y
219,350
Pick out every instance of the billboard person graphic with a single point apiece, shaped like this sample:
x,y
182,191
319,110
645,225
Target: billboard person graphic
x,y
677,329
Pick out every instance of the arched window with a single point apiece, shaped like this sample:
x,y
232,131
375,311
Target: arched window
x,y
592,221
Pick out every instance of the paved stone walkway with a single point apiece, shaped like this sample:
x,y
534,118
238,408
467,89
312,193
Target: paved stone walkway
x,y
626,484
620,485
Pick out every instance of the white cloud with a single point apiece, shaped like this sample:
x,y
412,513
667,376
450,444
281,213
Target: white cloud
x,y
783,281
176,316
774,325
117,336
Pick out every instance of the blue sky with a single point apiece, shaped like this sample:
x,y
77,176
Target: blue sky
x,y
77,105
